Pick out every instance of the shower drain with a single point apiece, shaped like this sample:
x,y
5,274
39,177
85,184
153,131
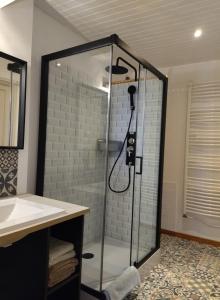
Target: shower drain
x,y
88,255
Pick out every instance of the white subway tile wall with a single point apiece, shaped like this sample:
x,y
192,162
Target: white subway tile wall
x,y
76,119
75,168
119,206
151,131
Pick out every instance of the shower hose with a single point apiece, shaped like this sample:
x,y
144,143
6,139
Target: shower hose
x,y
115,163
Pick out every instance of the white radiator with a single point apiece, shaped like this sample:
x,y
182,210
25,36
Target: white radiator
x,y
202,155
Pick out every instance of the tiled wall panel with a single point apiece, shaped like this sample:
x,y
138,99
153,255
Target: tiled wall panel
x,y
119,206
8,172
75,168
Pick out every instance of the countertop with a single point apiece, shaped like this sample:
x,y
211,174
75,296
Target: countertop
x,y
71,211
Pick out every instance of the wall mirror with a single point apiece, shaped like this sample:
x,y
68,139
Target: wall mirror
x,y
12,101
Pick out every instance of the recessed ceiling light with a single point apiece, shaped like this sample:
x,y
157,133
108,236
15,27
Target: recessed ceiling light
x,y
198,33
58,64
4,3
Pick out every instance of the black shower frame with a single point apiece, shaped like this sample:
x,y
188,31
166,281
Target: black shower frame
x,y
104,42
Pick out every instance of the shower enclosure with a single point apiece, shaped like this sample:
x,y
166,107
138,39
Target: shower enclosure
x,y
101,140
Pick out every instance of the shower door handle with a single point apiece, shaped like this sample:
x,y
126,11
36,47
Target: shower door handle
x,y
141,164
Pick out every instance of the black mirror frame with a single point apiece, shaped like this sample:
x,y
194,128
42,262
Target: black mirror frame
x,y
22,101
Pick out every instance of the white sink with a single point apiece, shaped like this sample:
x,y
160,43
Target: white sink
x,y
17,212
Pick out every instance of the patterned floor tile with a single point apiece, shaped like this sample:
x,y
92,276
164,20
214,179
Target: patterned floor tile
x,y
187,270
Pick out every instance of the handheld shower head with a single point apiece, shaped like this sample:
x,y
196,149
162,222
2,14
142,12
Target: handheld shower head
x,y
132,91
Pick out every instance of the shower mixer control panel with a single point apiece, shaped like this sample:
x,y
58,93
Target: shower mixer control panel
x,y
131,149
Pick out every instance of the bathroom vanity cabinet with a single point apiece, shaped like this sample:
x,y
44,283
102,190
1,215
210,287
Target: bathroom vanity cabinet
x,y
24,263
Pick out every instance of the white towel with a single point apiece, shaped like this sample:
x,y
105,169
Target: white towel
x,y
53,261
58,248
120,287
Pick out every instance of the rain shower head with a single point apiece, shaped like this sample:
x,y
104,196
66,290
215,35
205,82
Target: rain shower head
x,y
118,70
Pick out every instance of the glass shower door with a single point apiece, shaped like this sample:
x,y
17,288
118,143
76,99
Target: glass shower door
x,y
120,183
147,165
75,157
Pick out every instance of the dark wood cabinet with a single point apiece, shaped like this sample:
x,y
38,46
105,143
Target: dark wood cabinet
x,y
24,265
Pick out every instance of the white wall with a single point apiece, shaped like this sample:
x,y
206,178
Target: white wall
x,y
16,39
16,29
179,79
28,33
49,36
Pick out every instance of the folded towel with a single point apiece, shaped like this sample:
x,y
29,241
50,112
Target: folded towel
x,y
120,287
61,271
59,278
54,260
63,265
58,248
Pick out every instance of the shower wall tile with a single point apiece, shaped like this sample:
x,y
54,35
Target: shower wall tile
x,y
8,172
119,206
74,169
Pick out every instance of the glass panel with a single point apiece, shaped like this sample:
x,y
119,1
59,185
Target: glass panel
x,y
139,155
117,244
75,167
148,141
